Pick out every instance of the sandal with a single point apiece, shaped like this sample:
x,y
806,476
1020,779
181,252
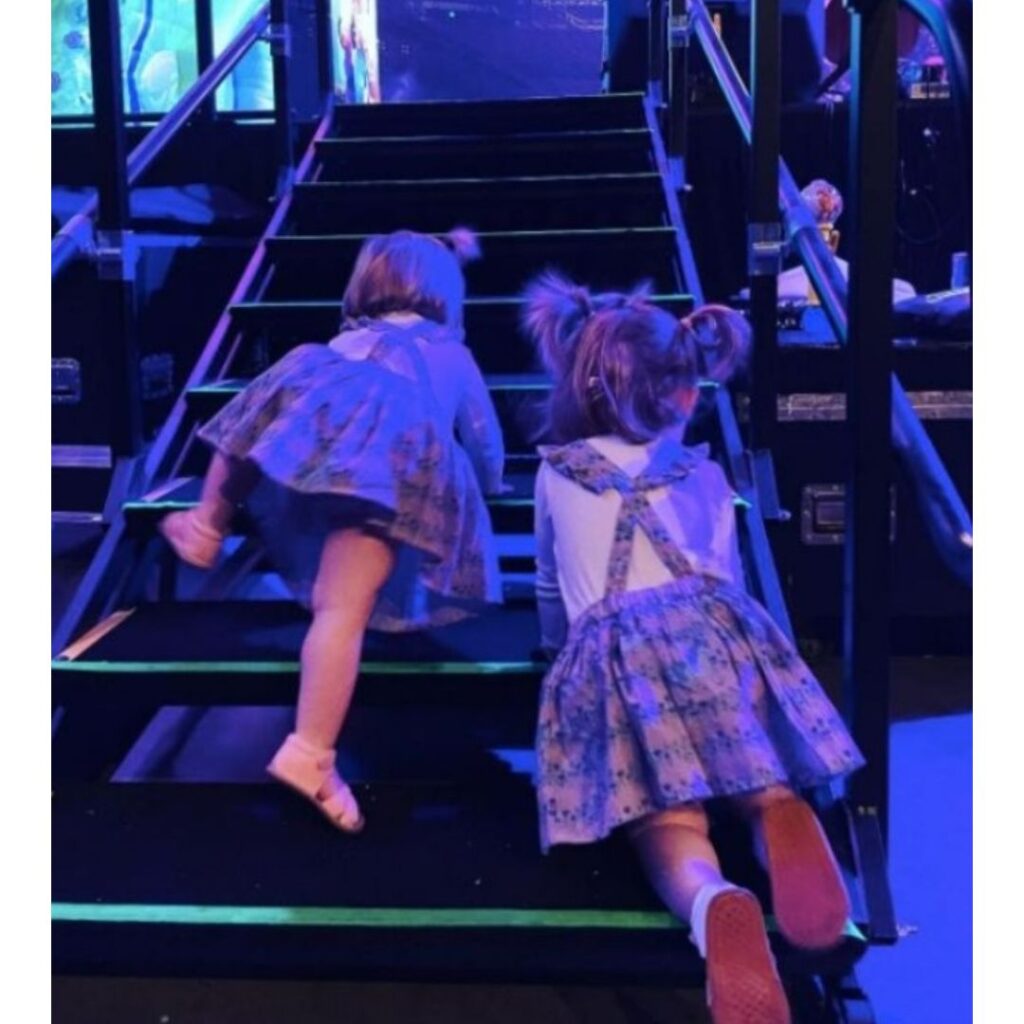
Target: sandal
x,y
309,771
809,898
743,985
193,541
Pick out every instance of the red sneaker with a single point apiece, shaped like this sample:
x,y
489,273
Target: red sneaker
x,y
809,898
743,984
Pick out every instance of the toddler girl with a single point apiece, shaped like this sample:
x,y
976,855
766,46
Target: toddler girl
x,y
672,686
346,458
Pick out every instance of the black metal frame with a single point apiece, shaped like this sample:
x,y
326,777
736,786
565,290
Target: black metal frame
x,y
114,245
765,229
868,569
110,574
944,511
204,49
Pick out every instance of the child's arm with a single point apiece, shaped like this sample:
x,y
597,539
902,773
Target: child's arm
x,y
554,623
728,517
479,429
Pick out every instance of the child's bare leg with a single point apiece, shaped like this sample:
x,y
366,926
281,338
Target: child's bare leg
x,y
353,568
726,923
808,894
677,855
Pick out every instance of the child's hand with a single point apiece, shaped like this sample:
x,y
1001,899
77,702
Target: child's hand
x,y
503,488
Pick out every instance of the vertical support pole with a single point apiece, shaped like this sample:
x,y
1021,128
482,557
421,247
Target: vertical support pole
x,y
678,87
115,249
765,229
204,49
325,51
280,48
657,20
872,224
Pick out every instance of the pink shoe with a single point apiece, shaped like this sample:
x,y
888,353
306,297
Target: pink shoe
x,y
193,540
310,772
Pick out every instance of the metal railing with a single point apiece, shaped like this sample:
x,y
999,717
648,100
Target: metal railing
x,y
945,512
74,236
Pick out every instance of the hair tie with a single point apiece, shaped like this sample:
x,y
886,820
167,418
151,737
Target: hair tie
x,y
582,299
704,334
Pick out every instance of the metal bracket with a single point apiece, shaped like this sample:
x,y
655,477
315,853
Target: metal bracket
x,y
279,35
763,471
116,255
823,514
766,247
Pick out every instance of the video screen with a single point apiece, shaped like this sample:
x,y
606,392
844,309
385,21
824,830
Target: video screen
x,y
158,55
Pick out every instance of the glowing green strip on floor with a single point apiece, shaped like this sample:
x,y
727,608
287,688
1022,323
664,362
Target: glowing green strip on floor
x,y
359,917
370,668
376,917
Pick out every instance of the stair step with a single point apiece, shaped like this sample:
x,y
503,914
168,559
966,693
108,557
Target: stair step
x,y
510,513
317,267
493,117
485,155
487,204
446,882
518,399
247,652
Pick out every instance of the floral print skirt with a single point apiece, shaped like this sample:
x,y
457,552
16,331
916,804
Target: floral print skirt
x,y
671,694
343,443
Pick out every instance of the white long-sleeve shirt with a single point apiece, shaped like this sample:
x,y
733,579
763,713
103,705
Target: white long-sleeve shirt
x,y
459,389
575,529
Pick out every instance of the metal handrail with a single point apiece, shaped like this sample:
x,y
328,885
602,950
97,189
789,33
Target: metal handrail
x,y
73,236
945,513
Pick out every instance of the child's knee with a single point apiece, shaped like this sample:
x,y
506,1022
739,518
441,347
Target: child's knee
x,y
688,816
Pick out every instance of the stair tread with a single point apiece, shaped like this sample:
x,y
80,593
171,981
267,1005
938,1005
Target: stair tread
x,y
459,861
641,135
267,636
184,493
495,382
605,177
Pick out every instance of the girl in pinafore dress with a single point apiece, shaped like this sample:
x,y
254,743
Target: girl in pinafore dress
x,y
671,686
346,459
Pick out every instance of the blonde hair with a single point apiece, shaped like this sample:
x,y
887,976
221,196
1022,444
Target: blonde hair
x,y
618,361
407,272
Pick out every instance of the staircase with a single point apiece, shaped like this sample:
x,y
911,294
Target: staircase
x,y
447,882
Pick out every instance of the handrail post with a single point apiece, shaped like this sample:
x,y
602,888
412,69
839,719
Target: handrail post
x,y
280,47
764,254
656,47
868,572
678,87
118,365
325,51
204,50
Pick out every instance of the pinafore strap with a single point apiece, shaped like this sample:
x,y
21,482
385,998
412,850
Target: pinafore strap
x,y
391,336
582,463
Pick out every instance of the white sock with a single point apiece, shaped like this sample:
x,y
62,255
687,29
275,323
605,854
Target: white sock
x,y
699,913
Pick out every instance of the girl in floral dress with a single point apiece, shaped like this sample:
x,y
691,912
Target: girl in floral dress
x,y
670,685
345,457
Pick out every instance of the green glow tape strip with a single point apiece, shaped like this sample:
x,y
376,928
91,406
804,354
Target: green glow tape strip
x,y
359,917
371,668
375,917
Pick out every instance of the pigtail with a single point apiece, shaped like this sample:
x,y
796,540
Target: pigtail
x,y
554,313
463,243
720,341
